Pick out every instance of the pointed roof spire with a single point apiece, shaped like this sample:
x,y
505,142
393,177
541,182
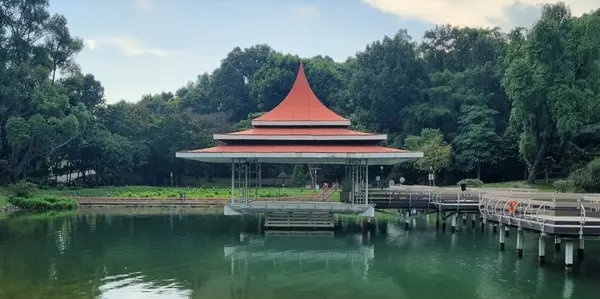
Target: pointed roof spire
x,y
301,107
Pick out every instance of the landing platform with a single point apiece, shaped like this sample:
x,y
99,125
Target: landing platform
x,y
554,225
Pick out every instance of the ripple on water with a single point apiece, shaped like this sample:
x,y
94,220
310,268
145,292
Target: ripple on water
x,y
133,286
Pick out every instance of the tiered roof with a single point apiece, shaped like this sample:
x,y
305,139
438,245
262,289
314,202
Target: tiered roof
x,y
300,129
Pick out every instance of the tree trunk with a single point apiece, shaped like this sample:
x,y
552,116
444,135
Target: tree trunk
x,y
534,166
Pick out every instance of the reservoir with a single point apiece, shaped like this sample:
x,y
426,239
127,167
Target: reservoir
x,y
197,253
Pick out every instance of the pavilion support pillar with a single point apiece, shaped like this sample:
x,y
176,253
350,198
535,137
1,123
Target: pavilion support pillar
x,y
501,236
232,180
437,219
473,220
464,217
557,244
506,230
366,182
494,228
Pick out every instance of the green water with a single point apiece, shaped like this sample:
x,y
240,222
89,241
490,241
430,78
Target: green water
x,y
194,254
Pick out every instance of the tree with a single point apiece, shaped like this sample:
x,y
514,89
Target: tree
x,y
437,155
300,175
477,140
551,81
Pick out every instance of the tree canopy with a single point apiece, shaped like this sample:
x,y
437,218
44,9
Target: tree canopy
x,y
481,103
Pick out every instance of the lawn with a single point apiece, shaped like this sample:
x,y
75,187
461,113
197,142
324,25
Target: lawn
x,y
167,192
541,185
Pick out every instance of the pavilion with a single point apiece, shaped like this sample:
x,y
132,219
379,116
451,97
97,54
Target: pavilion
x,y
300,130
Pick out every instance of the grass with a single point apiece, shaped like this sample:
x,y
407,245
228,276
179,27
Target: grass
x,y
167,192
541,185
216,191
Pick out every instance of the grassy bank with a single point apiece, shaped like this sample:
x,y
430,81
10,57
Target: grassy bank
x,y
540,185
215,192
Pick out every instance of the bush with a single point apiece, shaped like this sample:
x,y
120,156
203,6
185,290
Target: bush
x,y
22,189
563,185
587,178
473,183
43,203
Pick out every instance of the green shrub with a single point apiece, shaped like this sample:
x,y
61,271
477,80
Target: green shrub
x,y
43,203
563,185
473,183
22,189
587,178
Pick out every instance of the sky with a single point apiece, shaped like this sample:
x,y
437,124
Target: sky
x,y
137,47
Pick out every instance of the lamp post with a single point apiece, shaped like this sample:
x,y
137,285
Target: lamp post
x,y
431,177
381,175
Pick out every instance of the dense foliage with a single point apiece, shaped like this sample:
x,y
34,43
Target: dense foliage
x,y
479,102
43,203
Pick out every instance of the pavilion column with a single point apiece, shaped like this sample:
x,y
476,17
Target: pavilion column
x,y
232,180
366,181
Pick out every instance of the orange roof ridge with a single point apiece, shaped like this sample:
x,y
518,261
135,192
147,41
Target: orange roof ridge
x,y
301,105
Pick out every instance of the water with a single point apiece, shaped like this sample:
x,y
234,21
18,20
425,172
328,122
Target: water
x,y
195,254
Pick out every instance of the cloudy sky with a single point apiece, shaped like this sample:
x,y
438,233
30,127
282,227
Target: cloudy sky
x,y
135,47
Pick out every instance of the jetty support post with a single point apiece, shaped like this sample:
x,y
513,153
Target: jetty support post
x,y
581,247
464,217
519,242
506,230
454,220
568,255
557,243
494,228
501,237
473,220
483,223
542,249
437,219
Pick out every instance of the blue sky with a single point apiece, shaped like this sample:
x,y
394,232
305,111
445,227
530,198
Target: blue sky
x,y
135,47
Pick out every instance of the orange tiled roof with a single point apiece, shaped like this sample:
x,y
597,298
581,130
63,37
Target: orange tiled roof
x,y
301,104
301,131
353,149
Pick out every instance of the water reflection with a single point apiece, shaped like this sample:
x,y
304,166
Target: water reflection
x,y
194,254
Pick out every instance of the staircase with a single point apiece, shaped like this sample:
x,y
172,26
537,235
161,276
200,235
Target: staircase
x,y
325,194
299,219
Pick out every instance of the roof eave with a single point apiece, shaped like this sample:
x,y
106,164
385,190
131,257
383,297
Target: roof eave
x,y
300,123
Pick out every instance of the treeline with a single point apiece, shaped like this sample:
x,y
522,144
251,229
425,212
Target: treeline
x,y
479,102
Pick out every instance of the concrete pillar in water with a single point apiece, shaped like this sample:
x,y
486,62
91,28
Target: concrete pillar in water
x,y
473,219
519,242
581,248
542,249
454,220
501,238
465,219
568,255
506,230
444,226
557,244
406,221
483,223
494,229
437,219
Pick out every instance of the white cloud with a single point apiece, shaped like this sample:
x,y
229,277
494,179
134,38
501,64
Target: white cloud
x,y
131,46
90,43
504,13
146,5
306,11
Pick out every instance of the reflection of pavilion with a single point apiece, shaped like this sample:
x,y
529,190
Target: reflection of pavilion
x,y
301,248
